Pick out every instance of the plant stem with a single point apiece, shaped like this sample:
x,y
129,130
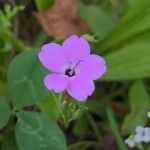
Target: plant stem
x,y
94,126
114,128
82,143
18,44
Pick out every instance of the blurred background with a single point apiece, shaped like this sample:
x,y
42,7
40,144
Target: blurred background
x,y
118,30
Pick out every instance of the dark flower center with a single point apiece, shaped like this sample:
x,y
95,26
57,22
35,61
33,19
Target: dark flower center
x,y
70,72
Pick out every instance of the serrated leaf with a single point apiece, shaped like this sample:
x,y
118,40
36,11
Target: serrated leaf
x,y
36,132
25,79
4,112
139,103
130,62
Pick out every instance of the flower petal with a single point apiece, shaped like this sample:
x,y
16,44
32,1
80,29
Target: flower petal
x,y
76,48
139,129
56,82
80,89
92,67
53,57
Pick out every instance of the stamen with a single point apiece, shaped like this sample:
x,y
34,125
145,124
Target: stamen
x,y
69,72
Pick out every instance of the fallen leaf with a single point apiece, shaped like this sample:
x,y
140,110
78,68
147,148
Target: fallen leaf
x,y
62,20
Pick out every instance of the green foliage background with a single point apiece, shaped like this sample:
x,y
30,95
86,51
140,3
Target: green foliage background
x,y
31,117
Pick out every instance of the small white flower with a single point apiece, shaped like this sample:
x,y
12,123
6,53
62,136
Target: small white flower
x,y
131,144
130,141
127,140
138,138
139,134
139,129
146,139
148,114
146,136
142,134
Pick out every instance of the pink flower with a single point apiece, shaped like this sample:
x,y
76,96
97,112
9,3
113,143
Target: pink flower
x,y
73,68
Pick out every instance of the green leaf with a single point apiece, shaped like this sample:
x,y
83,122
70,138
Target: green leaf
x,y
139,103
4,112
49,107
12,12
72,110
3,87
25,79
9,141
137,8
81,126
136,21
36,132
43,5
148,148
97,19
144,37
114,129
130,62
